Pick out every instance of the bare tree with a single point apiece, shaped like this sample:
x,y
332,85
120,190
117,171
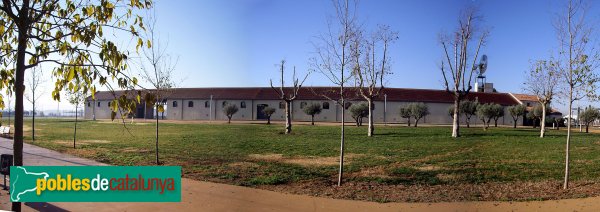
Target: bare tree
x,y
577,59
157,69
288,96
457,70
334,58
76,97
541,81
371,68
34,82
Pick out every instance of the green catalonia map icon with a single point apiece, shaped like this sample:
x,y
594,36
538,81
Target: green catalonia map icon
x,y
23,183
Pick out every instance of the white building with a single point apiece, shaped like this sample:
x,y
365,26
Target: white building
x,y
208,103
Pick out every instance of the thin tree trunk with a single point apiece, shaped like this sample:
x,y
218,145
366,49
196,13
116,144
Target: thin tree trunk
x,y
569,121
408,121
495,122
371,129
587,126
33,120
312,120
75,130
268,120
515,123
543,121
484,126
468,122
341,171
455,121
416,122
19,89
288,117
156,142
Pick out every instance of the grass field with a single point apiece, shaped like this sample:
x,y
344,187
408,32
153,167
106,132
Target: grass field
x,y
398,164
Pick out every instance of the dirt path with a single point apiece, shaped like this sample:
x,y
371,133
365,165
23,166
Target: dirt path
x,y
206,196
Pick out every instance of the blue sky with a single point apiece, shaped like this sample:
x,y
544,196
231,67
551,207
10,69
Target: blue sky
x,y
238,42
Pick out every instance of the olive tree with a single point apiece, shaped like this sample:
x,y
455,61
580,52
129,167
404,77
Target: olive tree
x,y
312,110
516,112
358,112
485,112
541,81
451,111
469,108
268,111
418,110
461,50
75,40
405,113
229,110
536,114
588,116
498,112
558,121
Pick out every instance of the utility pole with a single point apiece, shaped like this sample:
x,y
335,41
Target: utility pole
x,y
384,108
579,118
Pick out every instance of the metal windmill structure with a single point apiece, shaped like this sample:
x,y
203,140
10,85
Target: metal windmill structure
x,y
482,67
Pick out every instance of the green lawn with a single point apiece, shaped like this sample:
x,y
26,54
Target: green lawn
x,y
247,154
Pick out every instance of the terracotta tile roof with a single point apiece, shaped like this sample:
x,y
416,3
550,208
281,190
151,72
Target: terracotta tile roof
x,y
315,93
525,97
552,110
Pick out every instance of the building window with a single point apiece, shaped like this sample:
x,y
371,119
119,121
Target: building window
x,y
347,105
302,105
108,104
528,104
191,104
89,104
326,105
98,104
281,105
174,103
225,103
243,104
207,104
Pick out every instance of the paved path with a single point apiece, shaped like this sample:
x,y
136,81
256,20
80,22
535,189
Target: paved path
x,y
205,196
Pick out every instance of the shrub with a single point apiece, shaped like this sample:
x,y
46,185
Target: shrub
x,y
358,112
418,110
312,110
229,111
268,111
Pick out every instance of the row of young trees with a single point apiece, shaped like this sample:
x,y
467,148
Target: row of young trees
x,y
570,73
414,111
485,112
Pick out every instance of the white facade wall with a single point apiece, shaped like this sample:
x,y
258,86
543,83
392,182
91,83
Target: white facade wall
x,y
205,109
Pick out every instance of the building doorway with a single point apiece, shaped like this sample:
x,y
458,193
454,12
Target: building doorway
x,y
140,111
259,111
